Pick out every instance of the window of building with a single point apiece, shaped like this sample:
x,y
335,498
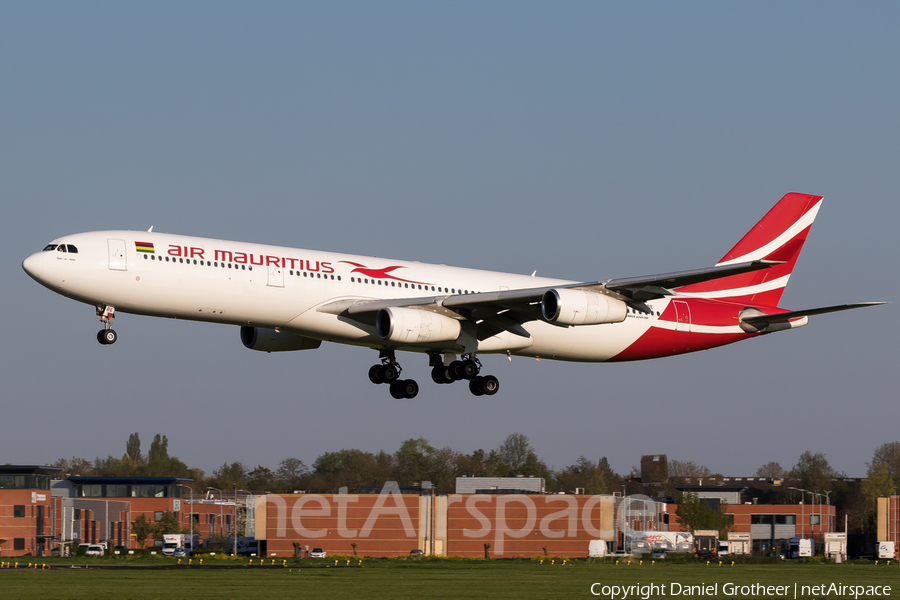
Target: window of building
x,y
76,514
158,516
785,519
18,543
19,510
815,519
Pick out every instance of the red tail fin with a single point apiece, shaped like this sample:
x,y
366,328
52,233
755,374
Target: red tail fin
x,y
778,236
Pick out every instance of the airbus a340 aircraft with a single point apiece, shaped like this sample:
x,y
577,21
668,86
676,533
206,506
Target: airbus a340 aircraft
x,y
291,299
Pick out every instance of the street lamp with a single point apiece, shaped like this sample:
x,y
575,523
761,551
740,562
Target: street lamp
x,y
828,510
236,490
191,517
221,494
801,507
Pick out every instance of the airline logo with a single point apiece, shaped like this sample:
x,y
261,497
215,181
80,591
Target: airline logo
x,y
379,273
144,247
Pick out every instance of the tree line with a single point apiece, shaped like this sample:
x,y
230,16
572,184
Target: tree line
x,y
417,461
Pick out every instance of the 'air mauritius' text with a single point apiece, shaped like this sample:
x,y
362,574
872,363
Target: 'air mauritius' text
x,y
244,258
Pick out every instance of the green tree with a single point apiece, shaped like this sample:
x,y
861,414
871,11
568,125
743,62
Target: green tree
x,y
694,513
142,528
133,449
813,472
412,462
291,475
878,484
771,470
888,454
260,480
168,524
514,451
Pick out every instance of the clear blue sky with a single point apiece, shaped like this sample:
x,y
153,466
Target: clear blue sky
x,y
586,140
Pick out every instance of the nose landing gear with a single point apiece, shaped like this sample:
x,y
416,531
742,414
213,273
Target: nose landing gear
x,y
106,335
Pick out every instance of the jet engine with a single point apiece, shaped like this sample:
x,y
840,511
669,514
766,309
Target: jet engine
x,y
578,307
269,340
411,326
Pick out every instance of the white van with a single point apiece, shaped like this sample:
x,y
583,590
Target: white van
x,y
597,549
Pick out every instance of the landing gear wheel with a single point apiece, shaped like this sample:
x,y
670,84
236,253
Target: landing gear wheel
x,y
490,385
468,369
107,336
410,388
475,387
375,374
441,374
455,370
389,374
100,336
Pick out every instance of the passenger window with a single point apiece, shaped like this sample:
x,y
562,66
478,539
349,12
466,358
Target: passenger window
x,y
145,257
72,249
339,277
243,267
393,284
305,273
167,259
181,260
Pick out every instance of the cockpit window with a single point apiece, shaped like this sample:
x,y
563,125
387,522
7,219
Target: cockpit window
x,y
61,248
72,249
49,247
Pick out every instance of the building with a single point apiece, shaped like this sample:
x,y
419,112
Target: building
x,y
25,509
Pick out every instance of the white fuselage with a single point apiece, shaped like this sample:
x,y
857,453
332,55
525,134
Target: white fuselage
x,y
282,288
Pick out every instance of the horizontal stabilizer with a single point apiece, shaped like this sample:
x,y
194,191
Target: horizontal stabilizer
x,y
759,320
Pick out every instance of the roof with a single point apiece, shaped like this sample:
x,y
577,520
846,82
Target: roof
x,y
28,470
134,480
711,488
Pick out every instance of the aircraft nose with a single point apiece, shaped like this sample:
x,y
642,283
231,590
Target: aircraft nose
x,y
33,265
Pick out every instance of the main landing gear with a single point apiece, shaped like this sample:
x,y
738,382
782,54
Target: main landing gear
x,y
107,335
468,368
389,372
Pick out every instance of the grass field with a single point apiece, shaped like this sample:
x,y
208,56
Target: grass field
x,y
445,579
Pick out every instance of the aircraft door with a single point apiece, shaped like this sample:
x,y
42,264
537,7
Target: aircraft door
x,y
276,276
682,316
117,260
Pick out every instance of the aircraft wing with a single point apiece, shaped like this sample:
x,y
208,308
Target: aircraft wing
x,y
523,305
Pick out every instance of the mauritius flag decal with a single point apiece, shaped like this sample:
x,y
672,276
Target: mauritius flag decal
x,y
144,247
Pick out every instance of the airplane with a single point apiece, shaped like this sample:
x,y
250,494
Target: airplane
x,y
288,299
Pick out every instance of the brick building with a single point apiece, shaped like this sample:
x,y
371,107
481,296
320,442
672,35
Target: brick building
x,y
25,523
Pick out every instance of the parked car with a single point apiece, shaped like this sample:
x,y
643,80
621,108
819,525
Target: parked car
x,y
318,553
179,552
658,553
95,550
417,552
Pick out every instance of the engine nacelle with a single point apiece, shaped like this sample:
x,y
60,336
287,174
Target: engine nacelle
x,y
578,307
269,340
411,326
